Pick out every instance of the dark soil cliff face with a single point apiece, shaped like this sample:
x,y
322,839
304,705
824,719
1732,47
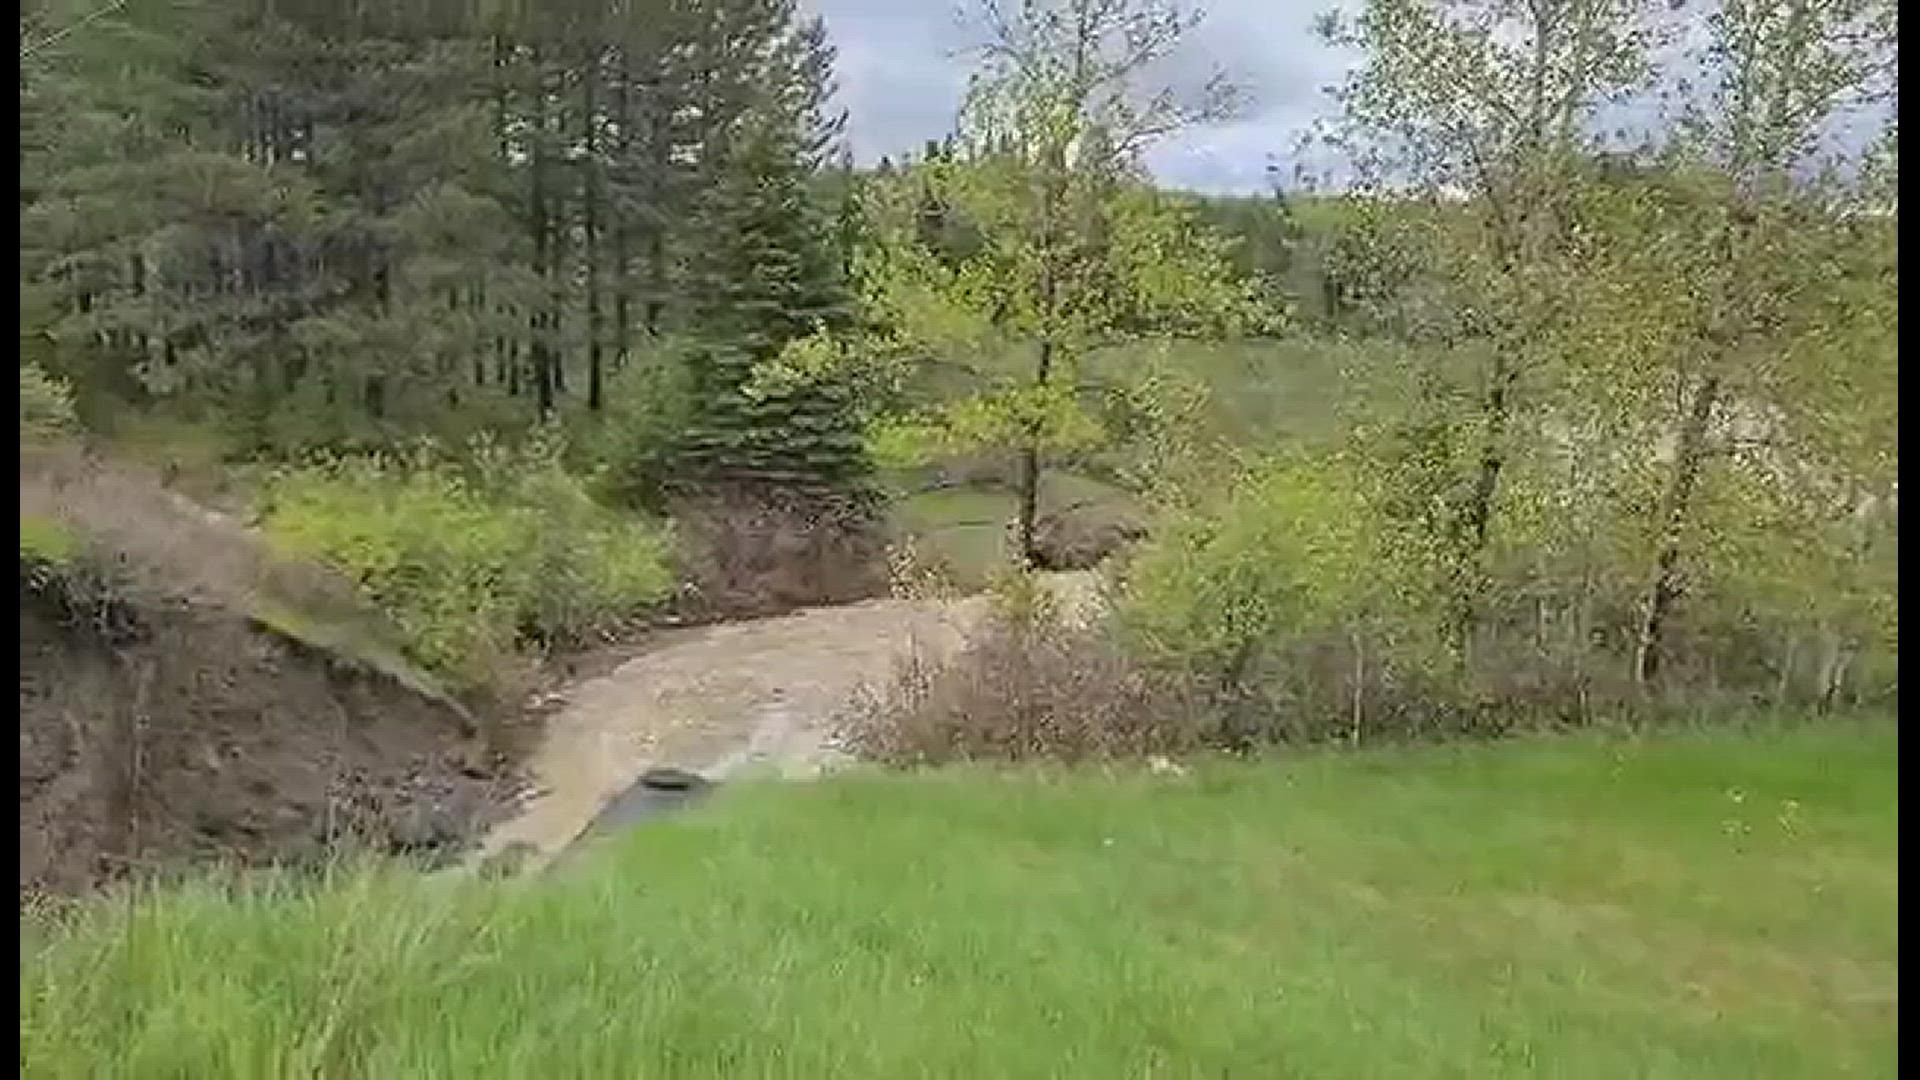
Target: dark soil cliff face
x,y
186,699
197,738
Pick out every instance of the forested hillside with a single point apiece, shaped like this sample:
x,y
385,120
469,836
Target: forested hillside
x,y
1435,616
541,324
342,226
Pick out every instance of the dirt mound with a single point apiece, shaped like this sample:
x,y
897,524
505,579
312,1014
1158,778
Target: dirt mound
x,y
749,554
1081,537
186,697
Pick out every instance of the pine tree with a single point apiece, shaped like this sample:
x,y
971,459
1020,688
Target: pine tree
x,y
768,273
769,277
337,225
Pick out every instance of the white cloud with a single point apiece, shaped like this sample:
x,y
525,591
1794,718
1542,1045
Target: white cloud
x,y
901,83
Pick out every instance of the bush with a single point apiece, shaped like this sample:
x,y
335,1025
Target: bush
x,y
1286,601
473,559
1289,608
46,405
1309,601
1030,683
631,451
1314,601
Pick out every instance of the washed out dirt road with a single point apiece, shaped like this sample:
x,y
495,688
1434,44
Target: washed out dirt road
x,y
758,696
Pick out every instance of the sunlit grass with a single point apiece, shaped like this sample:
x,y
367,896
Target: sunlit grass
x,y
1686,905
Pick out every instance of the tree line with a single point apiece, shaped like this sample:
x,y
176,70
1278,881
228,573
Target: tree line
x,y
332,224
1623,401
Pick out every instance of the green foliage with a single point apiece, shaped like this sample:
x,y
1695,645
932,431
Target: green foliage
x,y
46,405
1297,551
1050,417
1155,275
1139,264
1034,234
46,542
631,449
343,230
1798,587
1269,240
797,436
472,559
764,274
1605,367
1162,416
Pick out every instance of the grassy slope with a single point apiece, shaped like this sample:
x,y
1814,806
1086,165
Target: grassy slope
x,y
967,526
1691,905
1262,393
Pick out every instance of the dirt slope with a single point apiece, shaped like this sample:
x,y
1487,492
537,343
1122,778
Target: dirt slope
x,y
186,697
206,701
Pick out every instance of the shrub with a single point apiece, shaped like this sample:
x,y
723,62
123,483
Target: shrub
x,y
1030,683
630,452
1314,601
1287,609
46,404
1285,590
473,559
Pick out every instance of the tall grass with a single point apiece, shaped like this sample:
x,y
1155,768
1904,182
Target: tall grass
x,y
1700,904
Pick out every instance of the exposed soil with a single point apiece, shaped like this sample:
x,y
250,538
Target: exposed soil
x,y
202,739
186,698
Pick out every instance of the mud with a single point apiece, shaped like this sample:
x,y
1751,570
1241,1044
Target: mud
x,y
207,742
745,699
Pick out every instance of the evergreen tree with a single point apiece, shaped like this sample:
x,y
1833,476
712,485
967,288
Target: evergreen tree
x,y
328,225
767,273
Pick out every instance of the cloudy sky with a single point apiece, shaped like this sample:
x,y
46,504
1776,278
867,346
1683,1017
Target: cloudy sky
x,y
901,82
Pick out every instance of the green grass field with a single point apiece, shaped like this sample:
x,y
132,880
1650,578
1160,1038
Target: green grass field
x,y
1683,905
966,526
1260,394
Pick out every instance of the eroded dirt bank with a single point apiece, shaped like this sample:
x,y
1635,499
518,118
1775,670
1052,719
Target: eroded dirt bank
x,y
187,698
201,739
